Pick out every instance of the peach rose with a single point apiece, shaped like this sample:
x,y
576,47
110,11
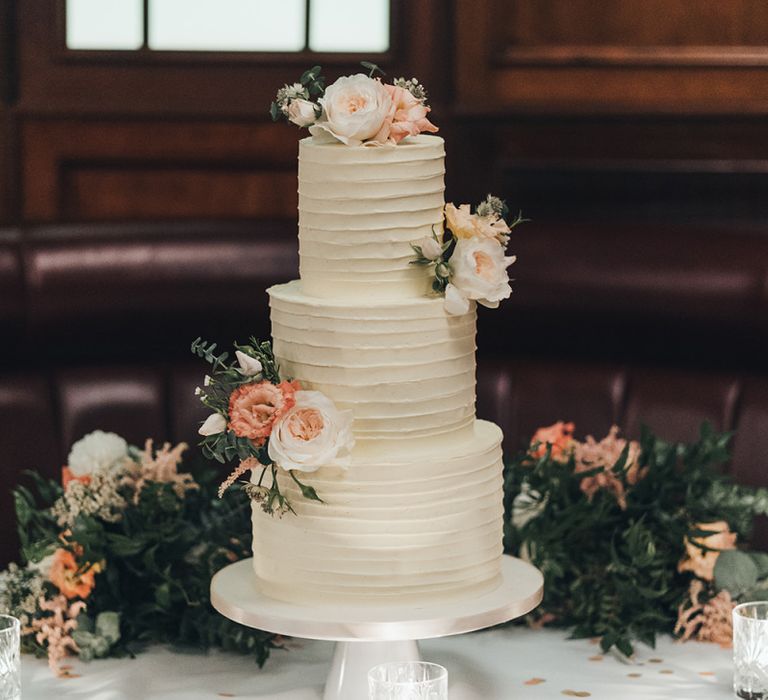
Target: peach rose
x,y
65,574
702,563
254,408
464,224
559,435
410,116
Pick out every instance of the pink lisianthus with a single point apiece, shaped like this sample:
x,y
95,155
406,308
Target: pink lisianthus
x,y
410,116
254,408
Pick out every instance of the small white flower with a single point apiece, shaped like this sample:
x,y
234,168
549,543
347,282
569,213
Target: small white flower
x,y
312,434
95,452
207,381
455,303
213,425
249,366
528,504
198,391
430,248
301,112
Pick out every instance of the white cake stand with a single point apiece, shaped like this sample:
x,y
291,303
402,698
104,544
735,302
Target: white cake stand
x,y
367,635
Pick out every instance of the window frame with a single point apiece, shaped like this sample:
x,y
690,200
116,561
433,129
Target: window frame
x,y
147,56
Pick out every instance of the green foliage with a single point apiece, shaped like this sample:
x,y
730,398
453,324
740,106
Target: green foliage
x,y
372,69
611,572
156,567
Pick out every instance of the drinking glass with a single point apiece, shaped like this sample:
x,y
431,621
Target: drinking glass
x,y
411,680
750,650
10,662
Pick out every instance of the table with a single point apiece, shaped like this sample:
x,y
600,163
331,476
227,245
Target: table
x,y
496,663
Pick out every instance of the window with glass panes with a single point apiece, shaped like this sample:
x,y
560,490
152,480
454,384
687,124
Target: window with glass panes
x,y
338,26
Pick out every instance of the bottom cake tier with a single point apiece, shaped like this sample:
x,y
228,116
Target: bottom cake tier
x,y
394,527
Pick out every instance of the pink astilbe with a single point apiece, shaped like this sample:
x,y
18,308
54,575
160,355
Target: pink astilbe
x,y
160,467
591,455
708,621
245,465
54,631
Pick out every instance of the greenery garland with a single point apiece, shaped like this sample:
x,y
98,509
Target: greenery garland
x,y
629,545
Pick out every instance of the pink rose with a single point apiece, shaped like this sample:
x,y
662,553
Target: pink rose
x,y
410,115
254,408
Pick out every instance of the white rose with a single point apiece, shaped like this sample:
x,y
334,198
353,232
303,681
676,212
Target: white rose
x,y
97,451
479,269
430,248
213,425
301,112
355,109
249,366
312,434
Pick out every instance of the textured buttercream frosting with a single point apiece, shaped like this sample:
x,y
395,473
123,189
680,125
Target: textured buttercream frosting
x,y
404,367
360,208
403,529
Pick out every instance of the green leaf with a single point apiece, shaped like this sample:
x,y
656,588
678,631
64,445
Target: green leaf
x,y
735,572
274,111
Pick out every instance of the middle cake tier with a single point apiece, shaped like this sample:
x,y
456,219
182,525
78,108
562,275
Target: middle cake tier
x,y
405,368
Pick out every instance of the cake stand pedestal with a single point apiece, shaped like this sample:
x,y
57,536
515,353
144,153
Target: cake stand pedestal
x,y
367,635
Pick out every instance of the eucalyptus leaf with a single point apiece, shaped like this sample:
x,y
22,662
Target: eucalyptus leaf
x,y
735,572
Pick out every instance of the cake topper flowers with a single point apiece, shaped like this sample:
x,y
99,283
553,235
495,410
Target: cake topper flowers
x,y
356,109
268,423
470,262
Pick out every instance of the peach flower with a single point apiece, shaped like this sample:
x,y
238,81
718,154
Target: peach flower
x,y
593,454
66,575
702,563
254,408
410,116
67,477
559,435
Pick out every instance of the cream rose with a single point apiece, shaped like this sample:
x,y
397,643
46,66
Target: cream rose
x,y
430,247
479,272
355,109
313,433
301,112
213,425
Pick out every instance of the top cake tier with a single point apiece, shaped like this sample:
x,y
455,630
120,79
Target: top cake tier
x,y
360,208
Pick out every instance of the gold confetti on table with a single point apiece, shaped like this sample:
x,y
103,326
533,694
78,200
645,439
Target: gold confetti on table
x,y
596,658
226,695
655,661
634,675
706,673
576,693
666,670
535,681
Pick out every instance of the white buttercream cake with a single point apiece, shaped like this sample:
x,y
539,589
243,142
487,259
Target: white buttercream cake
x,y
418,515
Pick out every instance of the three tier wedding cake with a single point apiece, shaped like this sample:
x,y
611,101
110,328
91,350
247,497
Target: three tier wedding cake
x,y
368,389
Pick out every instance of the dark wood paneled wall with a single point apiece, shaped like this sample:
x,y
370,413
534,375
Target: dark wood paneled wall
x,y
572,108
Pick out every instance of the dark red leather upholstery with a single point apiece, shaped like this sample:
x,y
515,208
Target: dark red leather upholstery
x,y
666,327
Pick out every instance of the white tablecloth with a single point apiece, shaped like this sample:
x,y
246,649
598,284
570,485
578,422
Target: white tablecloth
x,y
491,665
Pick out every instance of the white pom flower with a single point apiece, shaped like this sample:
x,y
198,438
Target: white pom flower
x,y
213,425
249,366
479,269
356,108
97,451
312,434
